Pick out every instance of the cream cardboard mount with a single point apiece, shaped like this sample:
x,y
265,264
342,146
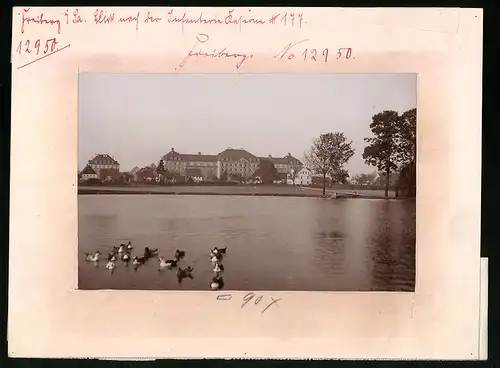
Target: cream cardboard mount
x,y
49,317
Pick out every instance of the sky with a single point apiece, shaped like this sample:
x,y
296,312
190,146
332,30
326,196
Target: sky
x,y
137,118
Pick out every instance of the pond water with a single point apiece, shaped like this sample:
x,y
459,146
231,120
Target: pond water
x,y
273,243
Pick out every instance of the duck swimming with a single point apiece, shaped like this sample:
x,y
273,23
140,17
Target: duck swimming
x,y
185,272
122,248
148,253
218,267
179,254
182,274
126,258
139,260
92,258
167,263
218,250
216,257
111,257
111,266
217,283
129,245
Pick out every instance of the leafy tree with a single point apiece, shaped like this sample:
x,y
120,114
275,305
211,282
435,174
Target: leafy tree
x,y
267,171
408,149
160,170
383,149
328,155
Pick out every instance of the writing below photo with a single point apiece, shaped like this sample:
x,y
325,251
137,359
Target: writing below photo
x,y
286,182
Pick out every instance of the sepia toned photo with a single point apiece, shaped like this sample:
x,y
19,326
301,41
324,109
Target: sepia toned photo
x,y
290,182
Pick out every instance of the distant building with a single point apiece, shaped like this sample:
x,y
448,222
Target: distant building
x,y
228,163
177,163
103,161
88,173
285,164
134,172
303,177
146,174
232,162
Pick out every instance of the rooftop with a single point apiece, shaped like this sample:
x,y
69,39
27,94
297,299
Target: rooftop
x,y
88,170
236,154
190,156
103,158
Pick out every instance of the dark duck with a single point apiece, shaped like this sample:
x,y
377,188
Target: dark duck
x,y
179,254
149,253
184,273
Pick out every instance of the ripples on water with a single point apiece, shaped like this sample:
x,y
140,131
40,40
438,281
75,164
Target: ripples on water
x,y
273,243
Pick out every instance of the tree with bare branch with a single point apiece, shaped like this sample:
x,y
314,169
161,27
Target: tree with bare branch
x,y
328,155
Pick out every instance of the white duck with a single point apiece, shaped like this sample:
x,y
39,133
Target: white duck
x,y
129,245
111,266
122,248
93,258
166,263
217,283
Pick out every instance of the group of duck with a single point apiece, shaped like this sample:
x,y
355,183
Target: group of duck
x,y
216,256
124,253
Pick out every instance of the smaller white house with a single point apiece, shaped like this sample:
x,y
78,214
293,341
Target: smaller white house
x,y
303,177
88,173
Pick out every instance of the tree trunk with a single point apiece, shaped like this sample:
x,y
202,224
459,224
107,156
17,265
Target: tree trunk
x,y
324,185
397,187
387,174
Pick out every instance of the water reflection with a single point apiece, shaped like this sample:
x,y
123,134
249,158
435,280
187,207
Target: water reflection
x,y
274,243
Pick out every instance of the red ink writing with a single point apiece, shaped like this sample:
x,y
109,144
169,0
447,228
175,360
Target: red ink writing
x,y
39,19
184,19
240,20
38,47
344,51
223,53
77,18
273,18
234,19
102,17
313,54
131,19
286,51
152,19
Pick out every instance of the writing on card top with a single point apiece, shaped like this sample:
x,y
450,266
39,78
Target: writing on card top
x,y
44,34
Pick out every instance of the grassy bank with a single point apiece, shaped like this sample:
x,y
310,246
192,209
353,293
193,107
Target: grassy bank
x,y
241,190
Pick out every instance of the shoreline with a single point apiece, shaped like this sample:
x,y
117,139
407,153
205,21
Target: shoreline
x,y
308,193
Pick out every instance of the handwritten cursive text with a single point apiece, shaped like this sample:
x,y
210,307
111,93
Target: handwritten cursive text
x,y
38,19
249,297
196,51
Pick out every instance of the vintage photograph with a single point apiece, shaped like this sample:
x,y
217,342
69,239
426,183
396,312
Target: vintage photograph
x,y
292,182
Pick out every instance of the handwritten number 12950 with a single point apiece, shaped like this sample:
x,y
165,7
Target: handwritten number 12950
x,y
28,46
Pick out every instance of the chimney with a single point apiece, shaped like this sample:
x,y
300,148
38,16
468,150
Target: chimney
x,y
269,156
289,154
172,150
199,153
